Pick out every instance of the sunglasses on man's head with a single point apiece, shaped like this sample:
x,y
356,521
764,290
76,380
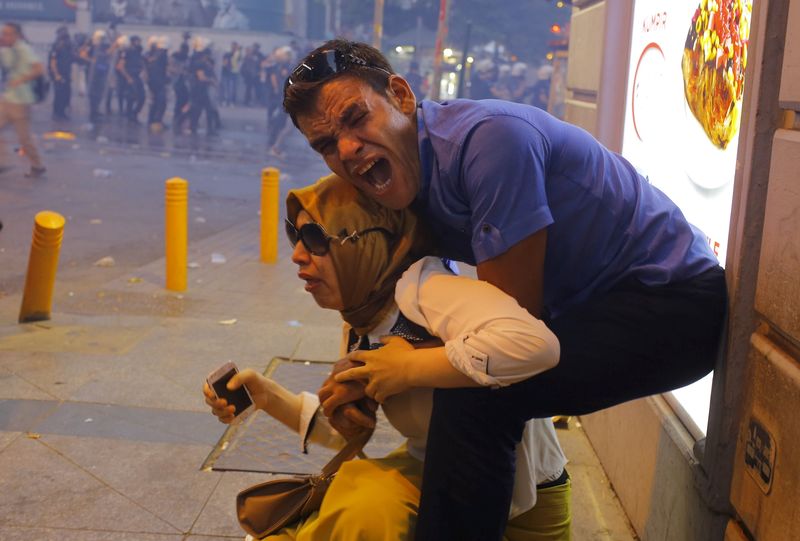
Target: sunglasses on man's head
x,y
325,64
317,241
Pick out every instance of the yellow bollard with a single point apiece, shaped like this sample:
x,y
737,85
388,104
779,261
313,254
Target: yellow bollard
x,y
48,230
176,224
270,192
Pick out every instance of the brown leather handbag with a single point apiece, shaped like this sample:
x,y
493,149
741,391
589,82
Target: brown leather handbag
x,y
265,508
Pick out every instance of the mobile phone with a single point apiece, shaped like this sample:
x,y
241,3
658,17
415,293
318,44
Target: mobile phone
x,y
239,398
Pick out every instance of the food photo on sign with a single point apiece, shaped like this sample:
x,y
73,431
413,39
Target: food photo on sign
x,y
684,101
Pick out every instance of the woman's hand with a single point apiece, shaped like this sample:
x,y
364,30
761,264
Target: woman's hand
x,y
385,369
348,409
257,385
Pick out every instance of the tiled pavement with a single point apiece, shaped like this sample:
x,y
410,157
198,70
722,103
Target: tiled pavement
x,y
103,429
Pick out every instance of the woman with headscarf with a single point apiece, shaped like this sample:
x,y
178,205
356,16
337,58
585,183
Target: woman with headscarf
x,y
358,258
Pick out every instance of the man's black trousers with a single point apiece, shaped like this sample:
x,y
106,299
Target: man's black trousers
x,y
630,342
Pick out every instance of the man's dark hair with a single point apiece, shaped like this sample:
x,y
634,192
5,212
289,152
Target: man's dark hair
x,y
299,98
17,28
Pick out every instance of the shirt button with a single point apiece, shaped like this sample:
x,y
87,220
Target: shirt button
x,y
486,228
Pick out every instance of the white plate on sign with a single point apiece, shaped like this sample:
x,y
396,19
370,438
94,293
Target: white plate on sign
x,y
705,164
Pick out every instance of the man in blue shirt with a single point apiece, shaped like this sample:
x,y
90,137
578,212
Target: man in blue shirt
x,y
567,227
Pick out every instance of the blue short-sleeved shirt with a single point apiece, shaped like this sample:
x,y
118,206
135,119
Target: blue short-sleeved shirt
x,y
495,172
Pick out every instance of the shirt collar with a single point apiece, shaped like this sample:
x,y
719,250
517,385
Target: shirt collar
x,y
384,327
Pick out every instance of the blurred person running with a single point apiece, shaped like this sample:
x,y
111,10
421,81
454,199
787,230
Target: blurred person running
x,y
21,67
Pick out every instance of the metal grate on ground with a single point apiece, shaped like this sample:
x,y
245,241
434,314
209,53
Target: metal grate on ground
x,y
262,444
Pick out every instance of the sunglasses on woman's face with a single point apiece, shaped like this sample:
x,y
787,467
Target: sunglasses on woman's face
x,y
317,241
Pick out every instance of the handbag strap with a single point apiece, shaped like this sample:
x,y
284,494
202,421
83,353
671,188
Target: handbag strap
x,y
348,452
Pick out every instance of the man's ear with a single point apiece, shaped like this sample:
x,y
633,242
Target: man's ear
x,y
401,94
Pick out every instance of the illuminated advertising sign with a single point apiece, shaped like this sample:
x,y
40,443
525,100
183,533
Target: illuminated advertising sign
x,y
682,116
684,100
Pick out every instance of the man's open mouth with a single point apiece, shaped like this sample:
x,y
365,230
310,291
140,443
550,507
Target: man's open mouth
x,y
378,173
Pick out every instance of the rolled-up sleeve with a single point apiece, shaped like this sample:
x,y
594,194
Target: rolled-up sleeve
x,y
314,426
488,336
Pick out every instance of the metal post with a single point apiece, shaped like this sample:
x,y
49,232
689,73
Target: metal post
x,y
464,55
418,40
441,34
176,232
377,26
48,230
270,192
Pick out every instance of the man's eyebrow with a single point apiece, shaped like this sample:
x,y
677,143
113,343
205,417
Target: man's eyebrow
x,y
318,143
349,113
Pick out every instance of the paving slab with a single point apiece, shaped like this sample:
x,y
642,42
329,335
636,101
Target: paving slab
x,y
129,384
24,415
7,437
115,422
164,479
10,533
14,386
57,338
44,489
56,374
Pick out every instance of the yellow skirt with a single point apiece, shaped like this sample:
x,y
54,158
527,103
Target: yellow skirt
x,y
377,500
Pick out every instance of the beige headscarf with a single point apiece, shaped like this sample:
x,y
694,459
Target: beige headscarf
x,y
368,268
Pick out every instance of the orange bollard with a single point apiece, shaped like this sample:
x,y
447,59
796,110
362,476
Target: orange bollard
x,y
270,192
176,226
37,299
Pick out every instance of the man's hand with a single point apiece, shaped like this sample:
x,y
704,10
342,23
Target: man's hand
x,y
385,369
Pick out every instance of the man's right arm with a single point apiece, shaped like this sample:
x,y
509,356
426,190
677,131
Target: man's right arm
x,y
519,271
509,208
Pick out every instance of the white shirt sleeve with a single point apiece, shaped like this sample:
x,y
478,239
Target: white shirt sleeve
x,y
314,426
488,336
